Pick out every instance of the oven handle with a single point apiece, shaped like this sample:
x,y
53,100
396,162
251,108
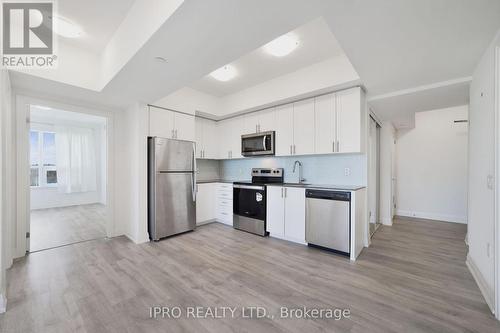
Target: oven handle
x,y
249,187
264,142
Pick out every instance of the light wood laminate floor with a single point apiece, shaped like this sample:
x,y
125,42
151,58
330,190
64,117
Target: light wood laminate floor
x,y
53,227
412,279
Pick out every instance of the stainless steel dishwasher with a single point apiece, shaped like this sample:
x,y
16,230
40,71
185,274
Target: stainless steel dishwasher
x,y
328,220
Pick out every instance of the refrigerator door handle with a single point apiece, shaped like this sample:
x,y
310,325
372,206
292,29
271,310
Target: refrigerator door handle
x,y
193,175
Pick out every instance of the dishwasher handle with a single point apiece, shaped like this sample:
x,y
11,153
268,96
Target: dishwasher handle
x,y
328,195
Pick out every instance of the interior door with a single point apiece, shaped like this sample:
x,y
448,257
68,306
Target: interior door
x,y
175,207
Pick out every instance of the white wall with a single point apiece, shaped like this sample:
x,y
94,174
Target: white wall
x,y
189,100
387,172
482,137
5,213
131,176
432,166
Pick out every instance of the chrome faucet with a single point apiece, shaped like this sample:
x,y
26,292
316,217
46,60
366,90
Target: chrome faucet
x,y
300,170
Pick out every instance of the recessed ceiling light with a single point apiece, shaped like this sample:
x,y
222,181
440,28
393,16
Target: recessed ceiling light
x,y
65,28
281,46
225,73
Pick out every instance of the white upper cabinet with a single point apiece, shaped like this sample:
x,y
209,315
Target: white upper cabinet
x,y
325,124
161,123
229,133
261,121
199,124
250,123
184,126
267,120
303,127
206,142
284,130
350,121
171,125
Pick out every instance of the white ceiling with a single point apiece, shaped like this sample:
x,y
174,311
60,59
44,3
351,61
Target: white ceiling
x,y
316,43
400,107
392,44
400,44
98,18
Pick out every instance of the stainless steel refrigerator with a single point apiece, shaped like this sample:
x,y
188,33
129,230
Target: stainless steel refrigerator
x,y
171,187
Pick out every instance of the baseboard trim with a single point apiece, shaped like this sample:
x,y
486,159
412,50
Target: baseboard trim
x,y
205,222
481,283
432,216
386,221
3,303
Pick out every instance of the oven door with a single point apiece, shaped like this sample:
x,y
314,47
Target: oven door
x,y
250,201
258,144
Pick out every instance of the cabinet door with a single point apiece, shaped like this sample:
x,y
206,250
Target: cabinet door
x,y
267,120
295,214
275,211
161,123
284,130
324,114
348,124
199,131
210,147
205,202
237,129
184,127
224,138
303,127
251,122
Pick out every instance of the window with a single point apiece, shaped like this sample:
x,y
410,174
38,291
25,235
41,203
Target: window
x,y
43,159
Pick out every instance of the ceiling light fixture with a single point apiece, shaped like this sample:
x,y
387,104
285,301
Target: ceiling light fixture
x,y
224,73
281,46
65,28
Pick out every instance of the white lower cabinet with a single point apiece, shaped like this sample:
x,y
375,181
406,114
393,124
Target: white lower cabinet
x,y
205,202
224,203
286,216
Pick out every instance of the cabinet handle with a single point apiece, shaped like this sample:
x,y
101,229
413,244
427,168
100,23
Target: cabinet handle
x,y
256,128
333,146
338,146
294,149
285,192
290,149
176,134
259,128
173,137
282,192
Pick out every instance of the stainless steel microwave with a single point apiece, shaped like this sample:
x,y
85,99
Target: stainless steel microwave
x,y
258,144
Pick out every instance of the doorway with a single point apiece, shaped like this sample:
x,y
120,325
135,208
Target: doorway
x,y
67,178
374,175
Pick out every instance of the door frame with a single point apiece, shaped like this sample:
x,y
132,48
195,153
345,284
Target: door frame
x,y
22,107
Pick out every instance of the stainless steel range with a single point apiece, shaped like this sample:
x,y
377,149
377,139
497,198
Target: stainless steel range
x,y
249,200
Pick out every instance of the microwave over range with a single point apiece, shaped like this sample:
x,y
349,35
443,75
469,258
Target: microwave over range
x,y
258,144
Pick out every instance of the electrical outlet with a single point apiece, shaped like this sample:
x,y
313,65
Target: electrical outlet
x,y
347,172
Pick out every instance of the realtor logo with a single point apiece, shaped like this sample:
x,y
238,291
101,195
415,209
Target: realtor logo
x,y
28,38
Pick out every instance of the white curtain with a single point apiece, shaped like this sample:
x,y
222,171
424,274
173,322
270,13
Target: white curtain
x,y
76,159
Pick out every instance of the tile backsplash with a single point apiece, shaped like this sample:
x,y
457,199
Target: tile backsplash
x,y
317,169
